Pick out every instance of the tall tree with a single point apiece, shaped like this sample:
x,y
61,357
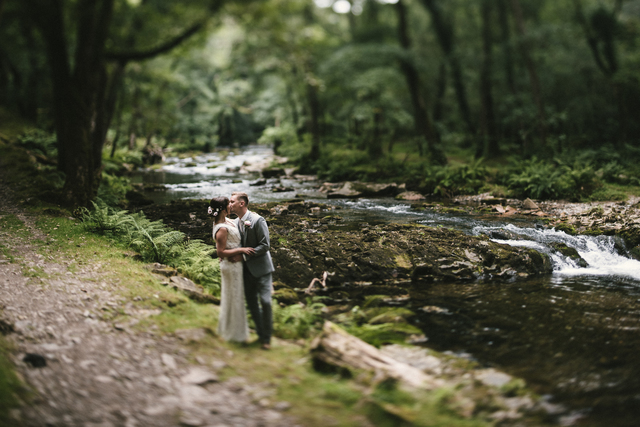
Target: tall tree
x,y
444,30
84,87
536,90
488,144
422,121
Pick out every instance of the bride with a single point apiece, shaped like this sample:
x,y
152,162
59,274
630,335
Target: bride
x,y
232,323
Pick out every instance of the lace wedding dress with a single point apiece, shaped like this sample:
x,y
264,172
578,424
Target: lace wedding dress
x,y
232,324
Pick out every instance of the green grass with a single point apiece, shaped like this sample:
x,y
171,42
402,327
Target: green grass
x,y
12,390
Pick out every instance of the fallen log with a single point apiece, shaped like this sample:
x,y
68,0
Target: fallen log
x,y
335,347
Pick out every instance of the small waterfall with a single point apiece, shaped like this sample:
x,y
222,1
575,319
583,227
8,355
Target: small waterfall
x,y
601,253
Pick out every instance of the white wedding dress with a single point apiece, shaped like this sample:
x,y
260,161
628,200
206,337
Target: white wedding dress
x,y
232,324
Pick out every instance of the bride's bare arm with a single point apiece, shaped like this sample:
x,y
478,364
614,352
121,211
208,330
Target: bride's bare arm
x,y
221,246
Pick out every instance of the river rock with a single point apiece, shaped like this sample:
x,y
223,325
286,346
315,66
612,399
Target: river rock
x,y
529,204
152,154
365,189
347,191
273,173
570,253
411,196
392,252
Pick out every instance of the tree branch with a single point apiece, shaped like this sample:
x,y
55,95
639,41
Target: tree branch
x,y
124,57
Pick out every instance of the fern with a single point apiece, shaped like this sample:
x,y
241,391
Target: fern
x,y
195,262
297,320
103,219
157,243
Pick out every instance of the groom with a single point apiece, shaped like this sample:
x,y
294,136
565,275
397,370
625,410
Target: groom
x,y
257,267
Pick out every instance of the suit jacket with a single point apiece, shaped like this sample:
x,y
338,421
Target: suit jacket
x,y
256,235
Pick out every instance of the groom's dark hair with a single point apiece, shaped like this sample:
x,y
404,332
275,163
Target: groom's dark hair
x,y
241,196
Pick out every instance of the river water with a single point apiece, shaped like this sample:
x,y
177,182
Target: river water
x,y
572,335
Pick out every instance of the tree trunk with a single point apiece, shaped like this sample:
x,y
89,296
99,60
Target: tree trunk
x,y
606,58
488,144
445,36
77,92
505,40
84,95
313,122
422,121
536,91
441,85
375,147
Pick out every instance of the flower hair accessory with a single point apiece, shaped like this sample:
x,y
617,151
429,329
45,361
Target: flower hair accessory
x,y
209,211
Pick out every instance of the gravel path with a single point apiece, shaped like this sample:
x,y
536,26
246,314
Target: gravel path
x,y
96,375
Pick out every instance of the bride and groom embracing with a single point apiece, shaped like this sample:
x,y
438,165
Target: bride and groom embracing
x,y
245,268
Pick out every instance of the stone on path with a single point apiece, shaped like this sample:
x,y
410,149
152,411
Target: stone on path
x,y
198,376
169,361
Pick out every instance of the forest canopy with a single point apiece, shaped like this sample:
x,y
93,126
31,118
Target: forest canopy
x,y
403,86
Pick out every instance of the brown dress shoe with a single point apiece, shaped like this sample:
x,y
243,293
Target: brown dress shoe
x,y
266,346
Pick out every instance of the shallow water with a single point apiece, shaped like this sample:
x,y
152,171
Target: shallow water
x,y
572,335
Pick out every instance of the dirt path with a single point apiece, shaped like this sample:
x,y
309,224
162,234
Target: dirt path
x,y
96,375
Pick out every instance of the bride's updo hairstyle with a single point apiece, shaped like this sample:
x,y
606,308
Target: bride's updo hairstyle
x,y
217,205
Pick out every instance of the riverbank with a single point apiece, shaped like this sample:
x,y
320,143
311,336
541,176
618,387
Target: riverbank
x,y
90,327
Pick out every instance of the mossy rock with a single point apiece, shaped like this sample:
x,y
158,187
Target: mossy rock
x,y
567,228
631,236
571,253
286,296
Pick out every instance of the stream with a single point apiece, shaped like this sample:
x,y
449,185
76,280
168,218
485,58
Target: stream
x,y
572,335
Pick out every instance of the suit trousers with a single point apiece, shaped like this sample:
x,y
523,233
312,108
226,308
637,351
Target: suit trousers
x,y
257,292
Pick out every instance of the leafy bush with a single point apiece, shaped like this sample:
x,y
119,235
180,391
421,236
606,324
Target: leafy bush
x,y
449,181
297,320
343,164
285,142
39,141
540,179
113,189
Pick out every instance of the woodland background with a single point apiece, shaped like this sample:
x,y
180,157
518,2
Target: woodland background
x,y
534,98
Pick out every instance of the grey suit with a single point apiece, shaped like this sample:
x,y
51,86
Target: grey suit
x,y
257,273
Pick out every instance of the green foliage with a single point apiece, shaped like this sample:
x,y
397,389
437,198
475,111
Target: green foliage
x,y
383,334
33,181
449,181
39,141
343,164
608,194
113,189
156,243
297,320
104,219
539,179
121,157
287,142
195,262
10,386
376,324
